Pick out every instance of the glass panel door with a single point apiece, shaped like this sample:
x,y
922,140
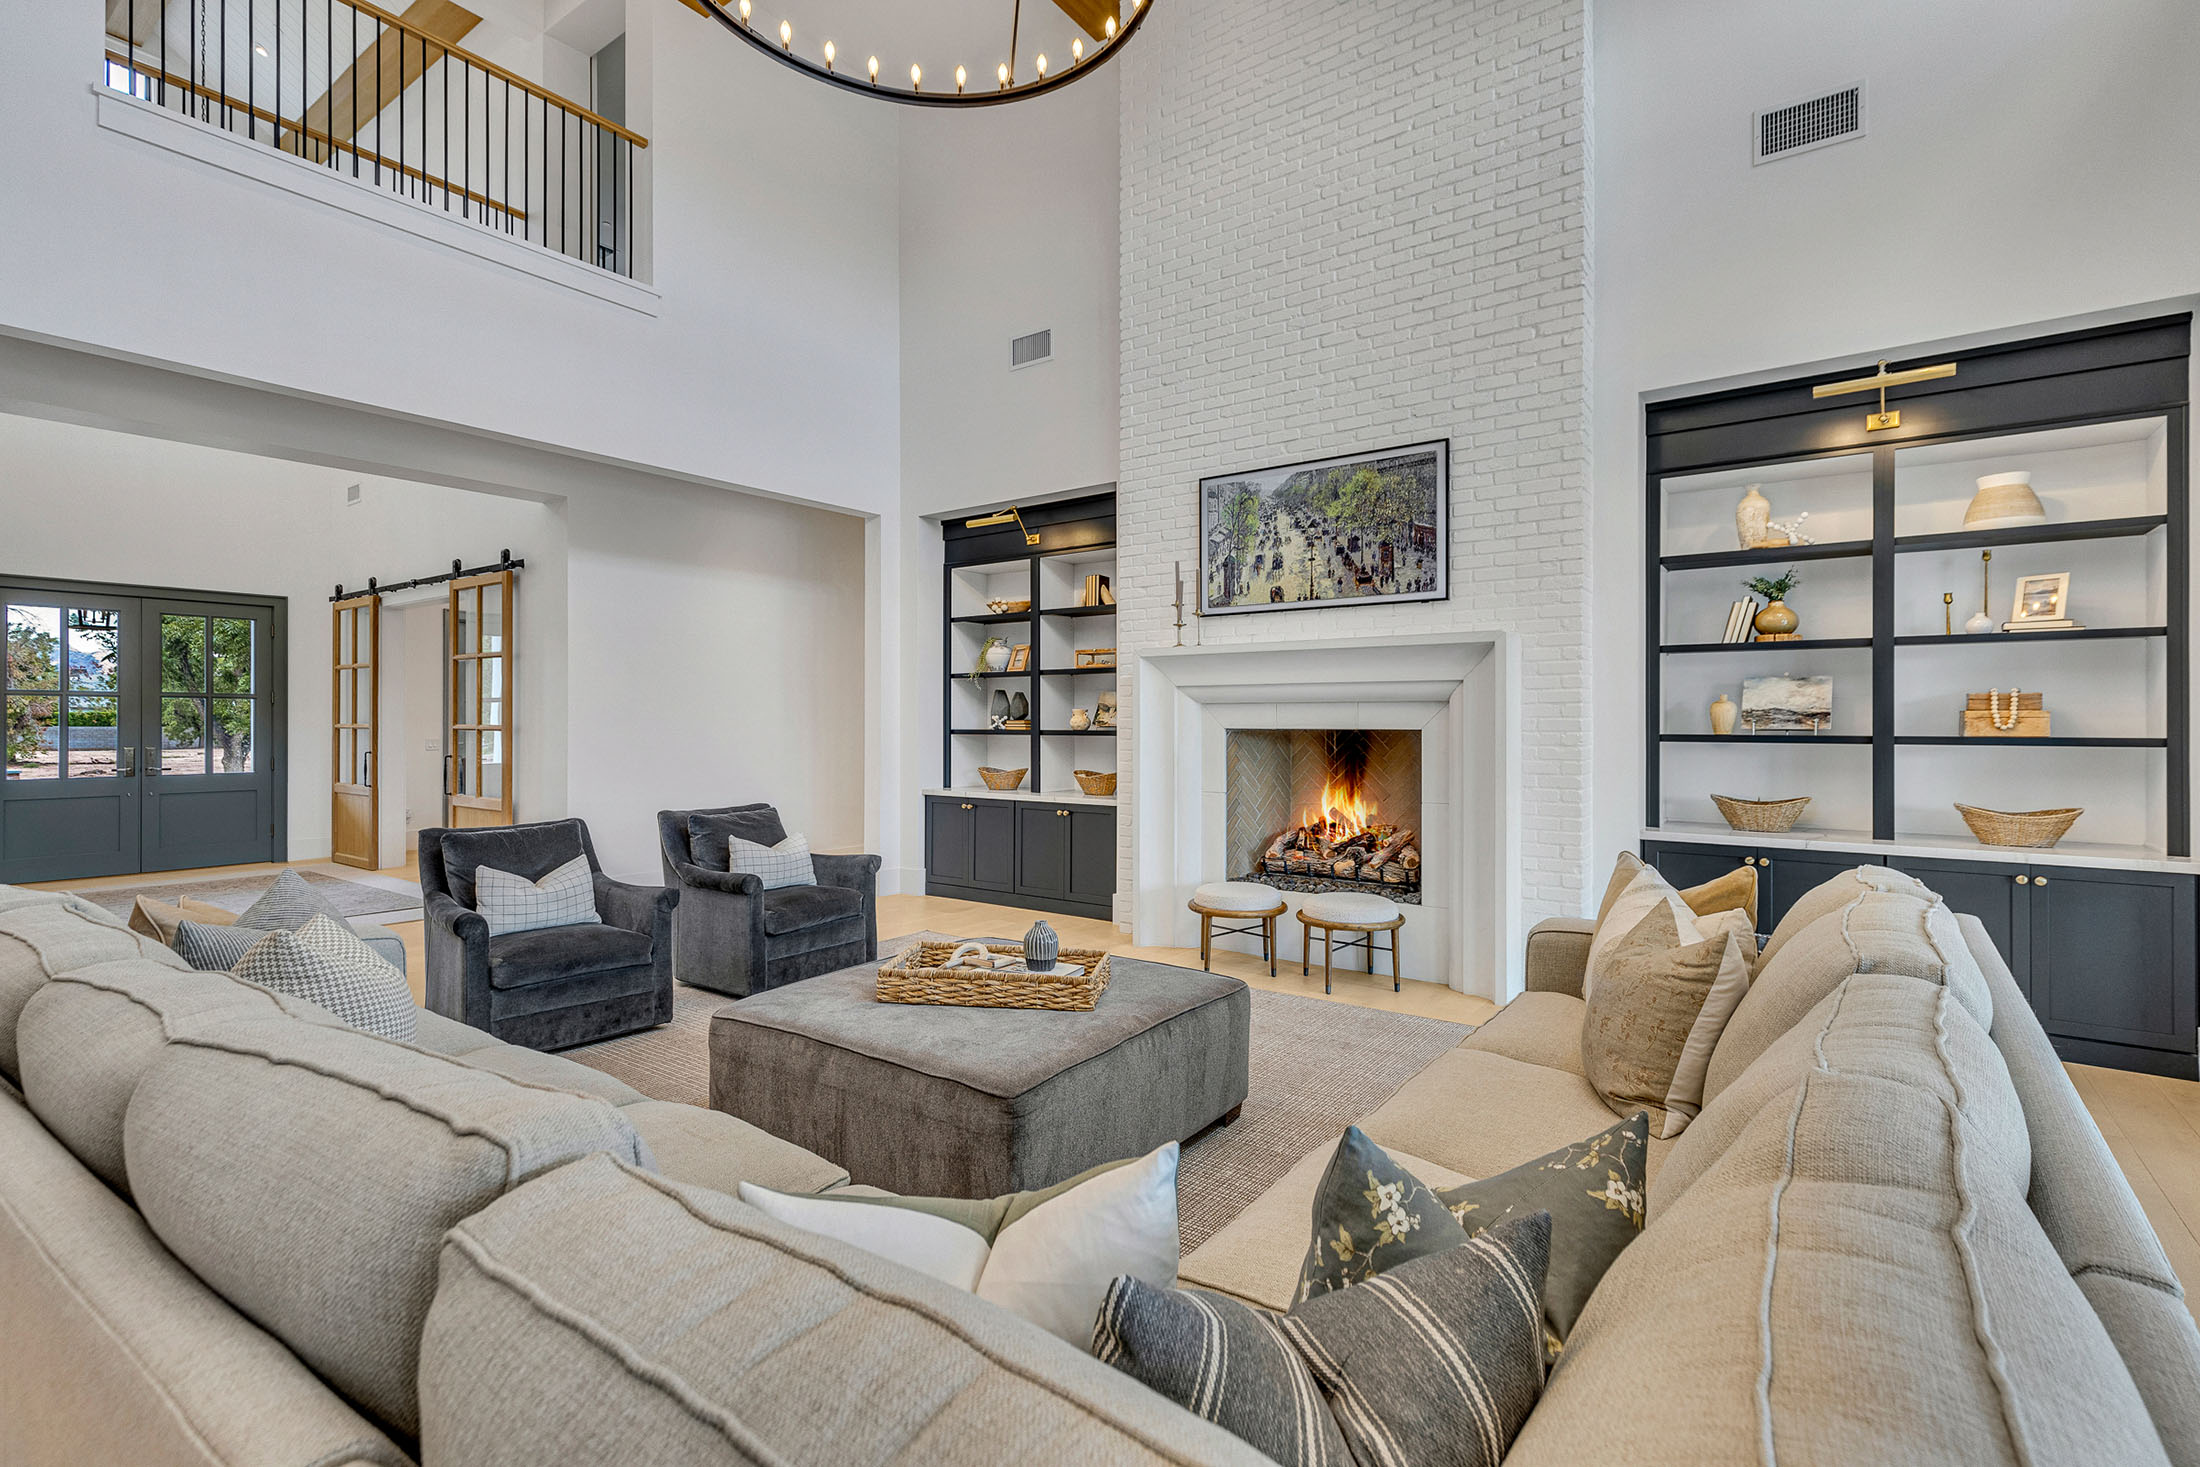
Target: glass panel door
x,y
69,795
210,794
482,654
355,805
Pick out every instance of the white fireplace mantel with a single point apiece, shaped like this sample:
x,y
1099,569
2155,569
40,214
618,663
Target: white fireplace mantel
x,y
1458,688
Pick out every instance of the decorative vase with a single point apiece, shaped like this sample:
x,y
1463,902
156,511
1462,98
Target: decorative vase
x,y
1019,708
1000,706
993,657
1103,715
1080,719
1041,947
2004,500
1751,517
1722,714
1776,620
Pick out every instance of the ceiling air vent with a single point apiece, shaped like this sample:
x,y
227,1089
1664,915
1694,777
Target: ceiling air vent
x,y
351,495
1029,351
1833,118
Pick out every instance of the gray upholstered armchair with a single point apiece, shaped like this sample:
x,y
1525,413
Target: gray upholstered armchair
x,y
732,936
555,986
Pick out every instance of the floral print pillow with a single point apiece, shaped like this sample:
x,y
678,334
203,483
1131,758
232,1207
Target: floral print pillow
x,y
1371,1214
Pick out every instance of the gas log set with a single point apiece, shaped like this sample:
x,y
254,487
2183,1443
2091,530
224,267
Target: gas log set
x,y
1343,846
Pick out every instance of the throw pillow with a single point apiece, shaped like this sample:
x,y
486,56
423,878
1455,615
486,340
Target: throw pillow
x,y
1048,1255
1648,888
709,835
1643,1012
215,949
1737,888
159,920
288,905
509,903
1437,1361
785,864
325,963
1593,1191
1370,1214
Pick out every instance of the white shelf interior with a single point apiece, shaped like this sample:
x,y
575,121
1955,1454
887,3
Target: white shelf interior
x,y
2098,471
1833,598
1837,492
2112,689
2121,790
1690,683
1837,777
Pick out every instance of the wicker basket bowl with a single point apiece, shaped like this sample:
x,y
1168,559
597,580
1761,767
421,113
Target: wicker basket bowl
x,y
2036,828
1002,779
1765,817
1094,783
1002,605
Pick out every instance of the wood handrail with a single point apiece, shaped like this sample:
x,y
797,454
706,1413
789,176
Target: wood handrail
x,y
398,22
283,124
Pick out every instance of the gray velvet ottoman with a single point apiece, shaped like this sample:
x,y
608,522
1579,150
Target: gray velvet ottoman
x,y
957,1102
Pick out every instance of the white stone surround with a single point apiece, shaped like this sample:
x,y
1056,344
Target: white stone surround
x,y
1348,229
1460,689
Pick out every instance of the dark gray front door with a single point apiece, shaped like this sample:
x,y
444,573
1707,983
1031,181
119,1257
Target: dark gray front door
x,y
69,802
144,731
209,796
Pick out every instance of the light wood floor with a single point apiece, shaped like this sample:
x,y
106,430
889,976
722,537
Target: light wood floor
x,y
2152,1124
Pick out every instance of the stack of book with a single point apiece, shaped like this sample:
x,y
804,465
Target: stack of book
x,y
2050,624
1741,620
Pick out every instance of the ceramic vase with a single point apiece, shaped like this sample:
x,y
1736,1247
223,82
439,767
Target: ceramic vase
x,y
1776,620
1041,947
1000,706
1080,719
1750,518
1722,714
1019,708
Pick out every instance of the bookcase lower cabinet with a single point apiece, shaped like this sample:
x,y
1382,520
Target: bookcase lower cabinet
x,y
2109,960
1021,853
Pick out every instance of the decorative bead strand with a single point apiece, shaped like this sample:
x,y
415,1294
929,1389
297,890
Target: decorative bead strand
x,y
1993,708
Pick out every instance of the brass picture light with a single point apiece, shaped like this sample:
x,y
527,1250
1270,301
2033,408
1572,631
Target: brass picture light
x,y
1031,536
1882,380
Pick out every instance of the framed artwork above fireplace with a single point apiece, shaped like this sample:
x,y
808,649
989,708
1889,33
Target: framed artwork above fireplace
x,y
1359,530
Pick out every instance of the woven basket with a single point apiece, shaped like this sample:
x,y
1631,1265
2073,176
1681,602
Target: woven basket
x,y
1003,606
1765,817
1094,783
2036,828
1002,779
914,977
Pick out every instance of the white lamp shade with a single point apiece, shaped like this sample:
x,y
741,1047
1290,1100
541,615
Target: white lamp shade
x,y
2004,500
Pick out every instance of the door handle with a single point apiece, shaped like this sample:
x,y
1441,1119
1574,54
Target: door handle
x,y
126,767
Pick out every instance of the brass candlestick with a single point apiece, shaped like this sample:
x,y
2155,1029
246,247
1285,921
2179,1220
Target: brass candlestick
x,y
1948,613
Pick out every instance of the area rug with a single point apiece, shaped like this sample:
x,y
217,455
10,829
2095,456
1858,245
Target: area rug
x,y
382,897
1317,1067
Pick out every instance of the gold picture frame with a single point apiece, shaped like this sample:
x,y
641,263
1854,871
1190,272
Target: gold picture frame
x,y
1019,657
2040,598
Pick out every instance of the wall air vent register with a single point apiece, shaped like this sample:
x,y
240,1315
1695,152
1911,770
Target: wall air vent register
x,y
1029,351
1820,122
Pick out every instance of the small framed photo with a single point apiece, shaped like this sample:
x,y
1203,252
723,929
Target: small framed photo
x,y
2041,598
1019,657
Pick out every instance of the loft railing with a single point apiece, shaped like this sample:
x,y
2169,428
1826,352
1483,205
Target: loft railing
x,y
351,87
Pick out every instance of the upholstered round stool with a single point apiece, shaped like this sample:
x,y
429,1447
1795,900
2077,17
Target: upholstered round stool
x,y
1235,899
1349,911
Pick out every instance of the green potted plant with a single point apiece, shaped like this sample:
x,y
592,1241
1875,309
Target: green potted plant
x,y
1776,623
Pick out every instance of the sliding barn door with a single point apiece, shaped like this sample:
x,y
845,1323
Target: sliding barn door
x,y
355,670
482,649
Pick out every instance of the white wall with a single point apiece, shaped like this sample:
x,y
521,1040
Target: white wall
x,y
2023,163
1351,231
770,361
83,504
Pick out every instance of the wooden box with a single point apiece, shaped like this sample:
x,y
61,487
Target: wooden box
x,y
1978,717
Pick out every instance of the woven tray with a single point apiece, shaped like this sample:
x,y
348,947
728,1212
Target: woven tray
x,y
914,977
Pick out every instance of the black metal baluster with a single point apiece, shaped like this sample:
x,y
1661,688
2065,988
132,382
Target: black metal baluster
x,y
353,67
251,75
162,69
446,129
466,93
130,44
225,66
526,172
564,200
378,104
628,258
191,24
505,190
404,179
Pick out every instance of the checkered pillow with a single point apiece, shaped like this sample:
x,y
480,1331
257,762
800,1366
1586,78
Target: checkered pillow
x,y
786,864
509,903
325,963
212,947
287,906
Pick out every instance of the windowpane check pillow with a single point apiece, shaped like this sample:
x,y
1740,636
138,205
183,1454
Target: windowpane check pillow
x,y
786,864
1436,1362
325,963
509,903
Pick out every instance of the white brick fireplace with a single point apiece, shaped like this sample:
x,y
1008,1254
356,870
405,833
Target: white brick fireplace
x,y
1458,689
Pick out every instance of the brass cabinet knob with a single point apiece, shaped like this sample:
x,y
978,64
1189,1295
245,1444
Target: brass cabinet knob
x,y
966,805
1749,860
1062,812
1765,864
2024,881
2039,881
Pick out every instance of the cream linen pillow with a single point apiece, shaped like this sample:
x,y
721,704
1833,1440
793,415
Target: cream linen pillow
x,y
1655,1016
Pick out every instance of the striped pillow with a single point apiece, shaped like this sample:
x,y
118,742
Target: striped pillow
x,y
287,906
214,948
509,903
786,864
325,963
1436,1362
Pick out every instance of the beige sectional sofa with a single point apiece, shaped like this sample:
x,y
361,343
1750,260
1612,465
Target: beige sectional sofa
x,y
234,1231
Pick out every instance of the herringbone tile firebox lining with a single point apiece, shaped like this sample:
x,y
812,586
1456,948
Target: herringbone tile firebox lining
x,y
1274,776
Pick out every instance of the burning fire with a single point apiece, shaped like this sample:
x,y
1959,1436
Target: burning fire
x,y
1343,810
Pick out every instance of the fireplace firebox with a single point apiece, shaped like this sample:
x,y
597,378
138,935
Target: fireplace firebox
x,y
1314,810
